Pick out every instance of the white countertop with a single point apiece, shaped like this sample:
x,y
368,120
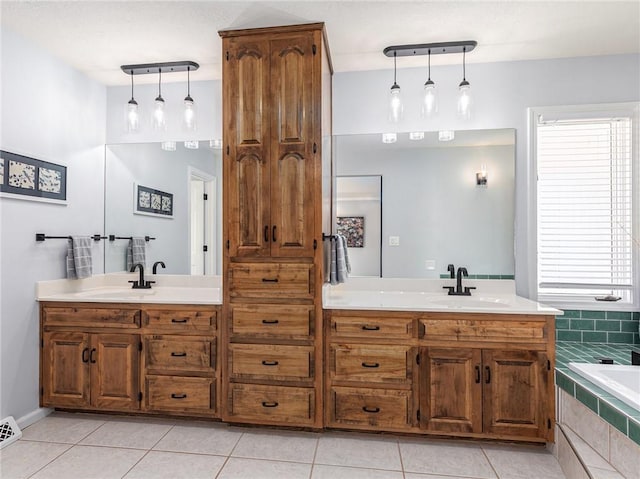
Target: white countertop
x,y
114,288
399,294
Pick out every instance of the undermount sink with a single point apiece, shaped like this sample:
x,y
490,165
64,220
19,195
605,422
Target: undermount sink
x,y
466,302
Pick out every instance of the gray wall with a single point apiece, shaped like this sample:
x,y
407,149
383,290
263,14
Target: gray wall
x,y
502,93
54,113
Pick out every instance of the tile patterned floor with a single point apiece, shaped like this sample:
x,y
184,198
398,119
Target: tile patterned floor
x,y
84,446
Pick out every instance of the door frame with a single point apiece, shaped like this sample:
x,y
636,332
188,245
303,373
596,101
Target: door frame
x,y
210,188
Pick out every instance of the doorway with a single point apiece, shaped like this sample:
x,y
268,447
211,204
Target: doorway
x,y
202,221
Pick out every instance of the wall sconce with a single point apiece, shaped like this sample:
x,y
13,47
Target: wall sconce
x,y
429,99
481,176
159,113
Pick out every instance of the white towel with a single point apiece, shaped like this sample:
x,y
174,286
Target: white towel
x,y
340,266
136,252
79,263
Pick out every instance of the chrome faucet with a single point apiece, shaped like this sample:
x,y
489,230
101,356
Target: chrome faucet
x,y
141,283
458,290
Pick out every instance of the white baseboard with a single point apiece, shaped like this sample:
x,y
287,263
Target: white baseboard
x,y
33,416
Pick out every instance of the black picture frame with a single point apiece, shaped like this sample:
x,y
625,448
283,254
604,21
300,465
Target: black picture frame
x,y
151,201
23,177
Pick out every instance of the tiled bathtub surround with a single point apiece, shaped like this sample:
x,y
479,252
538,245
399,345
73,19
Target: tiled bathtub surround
x,y
619,327
616,413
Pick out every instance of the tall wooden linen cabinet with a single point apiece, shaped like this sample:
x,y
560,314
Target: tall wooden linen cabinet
x,y
277,176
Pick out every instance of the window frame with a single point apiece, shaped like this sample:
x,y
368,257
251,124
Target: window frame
x,y
631,109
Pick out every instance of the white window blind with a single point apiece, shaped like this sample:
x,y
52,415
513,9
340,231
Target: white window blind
x,y
584,208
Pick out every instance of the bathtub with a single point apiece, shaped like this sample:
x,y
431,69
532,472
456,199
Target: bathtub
x,y
621,381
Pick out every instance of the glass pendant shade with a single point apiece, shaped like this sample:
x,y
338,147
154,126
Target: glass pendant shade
x,y
395,104
159,115
429,100
464,100
189,114
133,117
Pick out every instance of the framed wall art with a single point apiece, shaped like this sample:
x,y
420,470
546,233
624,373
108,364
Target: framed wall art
x,y
26,178
352,228
149,201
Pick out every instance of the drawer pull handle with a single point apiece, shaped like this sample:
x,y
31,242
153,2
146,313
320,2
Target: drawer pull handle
x,y
85,358
183,320
477,374
371,328
178,396
371,410
178,355
487,369
273,234
269,280
370,365
270,321
266,233
269,363
92,360
269,404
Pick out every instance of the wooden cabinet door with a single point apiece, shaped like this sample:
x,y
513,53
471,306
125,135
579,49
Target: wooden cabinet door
x,y
515,385
294,119
65,369
451,390
114,371
247,133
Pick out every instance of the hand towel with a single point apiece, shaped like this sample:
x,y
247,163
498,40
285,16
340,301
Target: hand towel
x,y
79,263
136,252
340,266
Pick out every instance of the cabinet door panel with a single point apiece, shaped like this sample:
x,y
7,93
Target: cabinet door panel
x,y
293,162
114,371
515,386
246,175
451,392
65,369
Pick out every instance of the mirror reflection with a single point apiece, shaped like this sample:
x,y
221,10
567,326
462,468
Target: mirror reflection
x,y
442,202
170,193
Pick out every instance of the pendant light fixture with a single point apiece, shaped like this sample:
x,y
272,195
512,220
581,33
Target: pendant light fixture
x,y
429,101
464,91
159,117
189,113
429,97
133,117
395,100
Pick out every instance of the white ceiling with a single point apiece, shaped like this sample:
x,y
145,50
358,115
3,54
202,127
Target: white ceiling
x,y
97,37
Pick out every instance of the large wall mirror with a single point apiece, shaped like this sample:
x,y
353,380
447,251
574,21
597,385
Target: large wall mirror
x,y
434,207
171,195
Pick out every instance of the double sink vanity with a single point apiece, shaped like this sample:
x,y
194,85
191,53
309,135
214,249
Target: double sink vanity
x,y
399,355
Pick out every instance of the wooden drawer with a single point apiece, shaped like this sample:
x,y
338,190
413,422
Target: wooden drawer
x,y
372,325
271,404
180,353
371,407
93,317
271,280
472,328
371,363
273,321
181,394
271,362
180,320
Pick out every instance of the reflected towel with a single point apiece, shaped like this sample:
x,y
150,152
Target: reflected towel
x,y
79,264
340,266
136,252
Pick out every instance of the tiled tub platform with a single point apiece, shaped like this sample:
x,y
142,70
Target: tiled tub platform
x,y
604,431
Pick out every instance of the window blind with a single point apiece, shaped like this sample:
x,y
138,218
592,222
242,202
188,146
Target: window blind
x,y
584,208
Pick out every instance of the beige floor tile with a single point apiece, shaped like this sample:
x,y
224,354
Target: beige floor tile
x,y
446,459
24,458
431,476
277,446
201,439
62,429
138,434
241,468
362,451
321,471
175,465
522,462
89,462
